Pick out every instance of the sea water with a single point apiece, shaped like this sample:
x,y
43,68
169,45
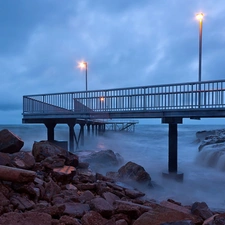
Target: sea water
x,y
148,147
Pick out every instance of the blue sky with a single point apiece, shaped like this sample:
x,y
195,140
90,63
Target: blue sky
x,y
125,42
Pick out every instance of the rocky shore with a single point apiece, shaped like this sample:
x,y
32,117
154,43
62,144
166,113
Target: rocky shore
x,y
51,186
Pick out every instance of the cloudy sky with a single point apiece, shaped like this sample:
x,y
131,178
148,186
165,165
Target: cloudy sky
x,y
125,42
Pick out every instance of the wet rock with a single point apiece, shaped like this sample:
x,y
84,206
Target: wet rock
x,y
26,218
64,174
103,159
23,160
76,209
101,206
92,218
22,203
134,172
52,162
51,189
201,209
183,222
5,159
67,220
110,197
86,196
9,142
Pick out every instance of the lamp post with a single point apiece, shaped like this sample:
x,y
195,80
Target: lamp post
x,y
84,65
199,17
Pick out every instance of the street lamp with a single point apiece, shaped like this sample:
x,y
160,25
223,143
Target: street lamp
x,y
84,65
199,17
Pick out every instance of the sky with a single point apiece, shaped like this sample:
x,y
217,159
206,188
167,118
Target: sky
x,y
126,43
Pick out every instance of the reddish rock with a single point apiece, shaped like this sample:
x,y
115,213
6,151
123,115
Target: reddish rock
x,y
26,218
110,197
5,159
133,210
93,218
23,160
101,206
76,209
9,142
51,189
67,220
86,196
134,172
201,209
64,174
133,193
22,203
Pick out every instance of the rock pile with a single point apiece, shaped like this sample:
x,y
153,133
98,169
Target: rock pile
x,y
50,186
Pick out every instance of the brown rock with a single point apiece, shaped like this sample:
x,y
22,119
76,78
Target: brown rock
x,y
86,196
26,218
51,189
67,220
134,172
110,197
201,209
86,186
5,159
44,149
133,193
16,174
160,214
23,160
93,218
76,209
52,162
121,222
64,174
22,203
133,210
101,206
9,142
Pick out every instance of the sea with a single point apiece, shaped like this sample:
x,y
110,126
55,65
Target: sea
x,y
148,147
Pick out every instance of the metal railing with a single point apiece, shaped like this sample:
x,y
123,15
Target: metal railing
x,y
194,95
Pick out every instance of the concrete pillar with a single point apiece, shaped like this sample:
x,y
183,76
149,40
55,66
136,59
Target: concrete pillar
x,y
82,133
50,131
172,149
71,136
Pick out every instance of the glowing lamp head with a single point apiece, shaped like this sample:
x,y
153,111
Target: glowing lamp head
x,y
102,99
199,16
82,65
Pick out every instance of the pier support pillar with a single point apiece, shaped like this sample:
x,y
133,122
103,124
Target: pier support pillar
x,y
50,131
172,149
71,136
82,134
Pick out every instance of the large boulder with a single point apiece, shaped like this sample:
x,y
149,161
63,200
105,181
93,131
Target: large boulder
x,y
102,159
134,172
44,149
9,142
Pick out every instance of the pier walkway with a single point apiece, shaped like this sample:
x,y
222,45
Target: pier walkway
x,y
170,102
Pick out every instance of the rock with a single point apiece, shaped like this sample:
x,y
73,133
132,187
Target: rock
x,y
101,206
201,209
16,175
5,159
134,172
43,149
183,222
133,193
52,162
22,203
51,189
76,209
26,218
93,218
102,159
64,174
133,210
67,220
9,142
23,160
110,197
86,196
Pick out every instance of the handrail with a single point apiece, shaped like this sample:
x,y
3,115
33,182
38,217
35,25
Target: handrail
x,y
179,96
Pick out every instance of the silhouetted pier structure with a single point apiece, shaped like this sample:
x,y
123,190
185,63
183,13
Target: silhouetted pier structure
x,y
170,102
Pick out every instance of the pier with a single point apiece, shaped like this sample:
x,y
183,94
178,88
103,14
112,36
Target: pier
x,y
170,102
